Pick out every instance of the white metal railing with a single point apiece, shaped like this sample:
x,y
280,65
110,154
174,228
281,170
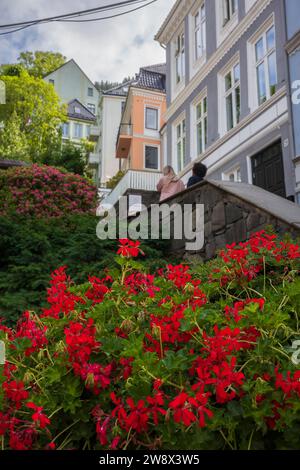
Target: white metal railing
x,y
94,158
133,179
95,130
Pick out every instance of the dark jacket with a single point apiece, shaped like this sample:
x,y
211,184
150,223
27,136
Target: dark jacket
x,y
194,180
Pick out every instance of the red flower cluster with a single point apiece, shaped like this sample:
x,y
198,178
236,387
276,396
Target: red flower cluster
x,y
188,409
28,328
166,333
179,275
140,282
61,301
98,289
245,260
129,248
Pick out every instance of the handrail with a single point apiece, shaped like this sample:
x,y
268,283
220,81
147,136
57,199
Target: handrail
x,y
133,179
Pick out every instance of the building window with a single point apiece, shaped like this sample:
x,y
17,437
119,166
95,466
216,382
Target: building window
x,y
91,107
229,9
180,58
233,97
180,144
65,129
151,157
51,81
234,175
200,32
88,131
151,119
77,110
90,91
122,107
78,131
265,63
201,125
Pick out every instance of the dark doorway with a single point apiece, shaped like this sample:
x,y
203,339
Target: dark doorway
x,y
267,170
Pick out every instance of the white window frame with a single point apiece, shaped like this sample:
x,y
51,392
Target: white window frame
x,y
235,172
66,125
229,9
251,56
153,108
158,156
222,111
201,29
265,62
179,56
181,122
92,93
76,126
224,26
203,121
232,91
89,105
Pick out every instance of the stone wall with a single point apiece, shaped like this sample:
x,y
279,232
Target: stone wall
x,y
233,211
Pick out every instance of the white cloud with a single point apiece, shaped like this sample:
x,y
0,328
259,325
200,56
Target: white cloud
x,y
106,50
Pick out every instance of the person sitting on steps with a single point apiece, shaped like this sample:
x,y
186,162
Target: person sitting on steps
x,y
199,173
169,184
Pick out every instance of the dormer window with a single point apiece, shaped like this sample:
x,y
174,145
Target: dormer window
x,y
77,110
180,58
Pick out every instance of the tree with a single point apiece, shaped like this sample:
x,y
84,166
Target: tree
x,y
71,157
13,143
41,63
39,112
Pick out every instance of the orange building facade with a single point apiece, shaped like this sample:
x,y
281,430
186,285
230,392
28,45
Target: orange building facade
x,y
139,140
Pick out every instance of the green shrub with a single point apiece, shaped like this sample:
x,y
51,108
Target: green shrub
x,y
31,248
45,192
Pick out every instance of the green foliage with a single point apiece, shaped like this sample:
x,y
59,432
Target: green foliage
x,y
32,110
112,183
31,248
73,158
40,63
13,142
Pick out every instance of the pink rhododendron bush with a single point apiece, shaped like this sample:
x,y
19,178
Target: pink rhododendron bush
x,y
174,359
43,191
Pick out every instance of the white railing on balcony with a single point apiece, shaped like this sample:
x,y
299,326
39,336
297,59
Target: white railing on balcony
x,y
95,130
94,158
133,179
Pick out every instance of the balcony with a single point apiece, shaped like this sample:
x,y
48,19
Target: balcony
x,y
95,132
124,140
94,159
140,180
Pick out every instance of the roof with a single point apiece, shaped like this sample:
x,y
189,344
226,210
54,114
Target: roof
x,y
83,114
151,80
170,15
120,90
158,68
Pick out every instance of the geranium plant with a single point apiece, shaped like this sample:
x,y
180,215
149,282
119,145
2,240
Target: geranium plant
x,y
176,359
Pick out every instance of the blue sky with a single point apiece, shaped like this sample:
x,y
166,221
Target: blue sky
x,y
107,50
